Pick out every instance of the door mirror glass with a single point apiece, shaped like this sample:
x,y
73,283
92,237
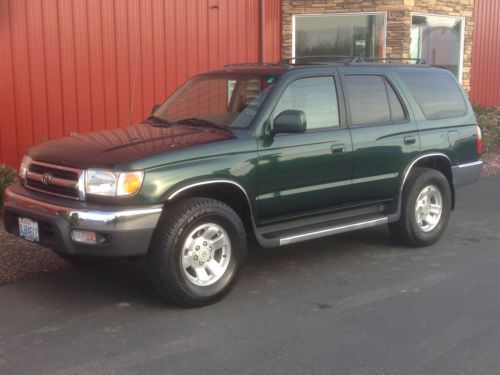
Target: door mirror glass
x,y
290,121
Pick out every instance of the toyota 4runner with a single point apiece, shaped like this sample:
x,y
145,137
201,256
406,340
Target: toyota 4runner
x,y
281,153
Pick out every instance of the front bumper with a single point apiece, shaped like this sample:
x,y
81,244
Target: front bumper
x,y
465,174
127,231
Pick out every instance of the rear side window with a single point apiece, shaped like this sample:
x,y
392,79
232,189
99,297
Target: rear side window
x,y
437,94
372,100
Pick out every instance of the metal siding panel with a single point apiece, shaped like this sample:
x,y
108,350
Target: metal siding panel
x,y
159,50
21,77
109,63
222,24
122,63
53,68
192,38
233,55
68,74
271,30
170,46
134,48
485,75
181,41
37,70
148,81
205,34
8,125
83,65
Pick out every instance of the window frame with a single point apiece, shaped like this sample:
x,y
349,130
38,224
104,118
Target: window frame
x,y
296,15
462,36
338,94
387,82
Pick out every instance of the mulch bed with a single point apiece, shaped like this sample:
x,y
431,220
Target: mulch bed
x,y
20,259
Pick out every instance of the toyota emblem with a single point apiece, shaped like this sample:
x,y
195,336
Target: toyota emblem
x,y
46,178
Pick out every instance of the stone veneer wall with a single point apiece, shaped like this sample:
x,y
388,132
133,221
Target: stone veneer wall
x,y
398,35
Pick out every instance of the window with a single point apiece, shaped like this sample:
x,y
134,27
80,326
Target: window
x,y
231,100
438,40
437,94
315,96
372,100
340,35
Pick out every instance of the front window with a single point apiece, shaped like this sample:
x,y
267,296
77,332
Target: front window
x,y
355,34
316,97
221,100
438,40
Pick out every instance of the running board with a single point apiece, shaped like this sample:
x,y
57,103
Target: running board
x,y
328,228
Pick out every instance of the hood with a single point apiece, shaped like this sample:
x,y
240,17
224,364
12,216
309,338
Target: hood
x,y
107,149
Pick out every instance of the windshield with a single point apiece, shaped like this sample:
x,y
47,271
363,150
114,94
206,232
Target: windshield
x,y
217,100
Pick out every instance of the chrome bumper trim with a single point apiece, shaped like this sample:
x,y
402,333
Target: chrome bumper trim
x,y
101,220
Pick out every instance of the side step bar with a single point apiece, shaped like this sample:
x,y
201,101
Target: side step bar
x,y
323,229
333,230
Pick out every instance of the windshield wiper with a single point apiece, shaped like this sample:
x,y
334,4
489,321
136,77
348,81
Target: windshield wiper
x,y
158,121
202,122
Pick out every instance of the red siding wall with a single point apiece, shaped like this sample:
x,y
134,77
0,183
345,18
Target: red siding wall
x,y
85,65
485,72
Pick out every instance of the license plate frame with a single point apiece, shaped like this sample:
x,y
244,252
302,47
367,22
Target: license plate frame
x,y
28,229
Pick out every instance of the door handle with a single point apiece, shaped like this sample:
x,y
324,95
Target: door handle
x,y
410,140
338,148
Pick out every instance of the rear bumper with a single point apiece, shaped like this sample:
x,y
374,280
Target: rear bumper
x,y
465,174
127,231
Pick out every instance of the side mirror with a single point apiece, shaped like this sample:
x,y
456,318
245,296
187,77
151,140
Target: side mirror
x,y
290,121
155,108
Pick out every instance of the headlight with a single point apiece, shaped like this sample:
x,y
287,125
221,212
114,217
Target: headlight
x,y
112,183
23,168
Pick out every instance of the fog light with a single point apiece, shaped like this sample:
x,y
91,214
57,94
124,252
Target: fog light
x,y
83,236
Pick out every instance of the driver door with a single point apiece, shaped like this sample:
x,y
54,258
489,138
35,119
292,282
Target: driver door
x,y
311,171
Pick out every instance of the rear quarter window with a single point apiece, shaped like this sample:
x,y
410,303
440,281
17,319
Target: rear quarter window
x,y
437,94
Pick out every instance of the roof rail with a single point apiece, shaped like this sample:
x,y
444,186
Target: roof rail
x,y
316,60
346,60
418,60
248,64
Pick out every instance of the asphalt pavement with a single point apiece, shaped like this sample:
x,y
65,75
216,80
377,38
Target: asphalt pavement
x,y
357,303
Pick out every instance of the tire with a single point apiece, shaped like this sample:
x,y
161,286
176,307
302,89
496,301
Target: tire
x,y
180,250
425,190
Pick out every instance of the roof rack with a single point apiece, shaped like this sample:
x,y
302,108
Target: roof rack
x,y
418,60
346,60
317,60
249,64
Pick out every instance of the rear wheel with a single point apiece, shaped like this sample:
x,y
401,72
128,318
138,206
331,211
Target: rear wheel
x,y
425,208
197,252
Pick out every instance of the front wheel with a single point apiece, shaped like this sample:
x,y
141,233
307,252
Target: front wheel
x,y
197,252
425,208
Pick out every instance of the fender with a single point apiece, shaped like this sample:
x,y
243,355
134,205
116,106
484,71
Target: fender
x,y
260,239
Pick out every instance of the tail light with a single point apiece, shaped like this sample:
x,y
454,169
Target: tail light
x,y
479,139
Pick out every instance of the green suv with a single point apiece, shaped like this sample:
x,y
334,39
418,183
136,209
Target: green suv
x,y
278,153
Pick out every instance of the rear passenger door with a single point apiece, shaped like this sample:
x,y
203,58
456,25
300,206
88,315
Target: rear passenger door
x,y
384,133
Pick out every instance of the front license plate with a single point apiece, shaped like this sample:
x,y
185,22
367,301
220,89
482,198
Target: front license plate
x,y
28,229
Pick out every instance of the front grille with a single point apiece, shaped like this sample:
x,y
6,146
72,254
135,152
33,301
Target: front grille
x,y
54,180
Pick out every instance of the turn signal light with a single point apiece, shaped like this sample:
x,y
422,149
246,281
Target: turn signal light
x,y
129,183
